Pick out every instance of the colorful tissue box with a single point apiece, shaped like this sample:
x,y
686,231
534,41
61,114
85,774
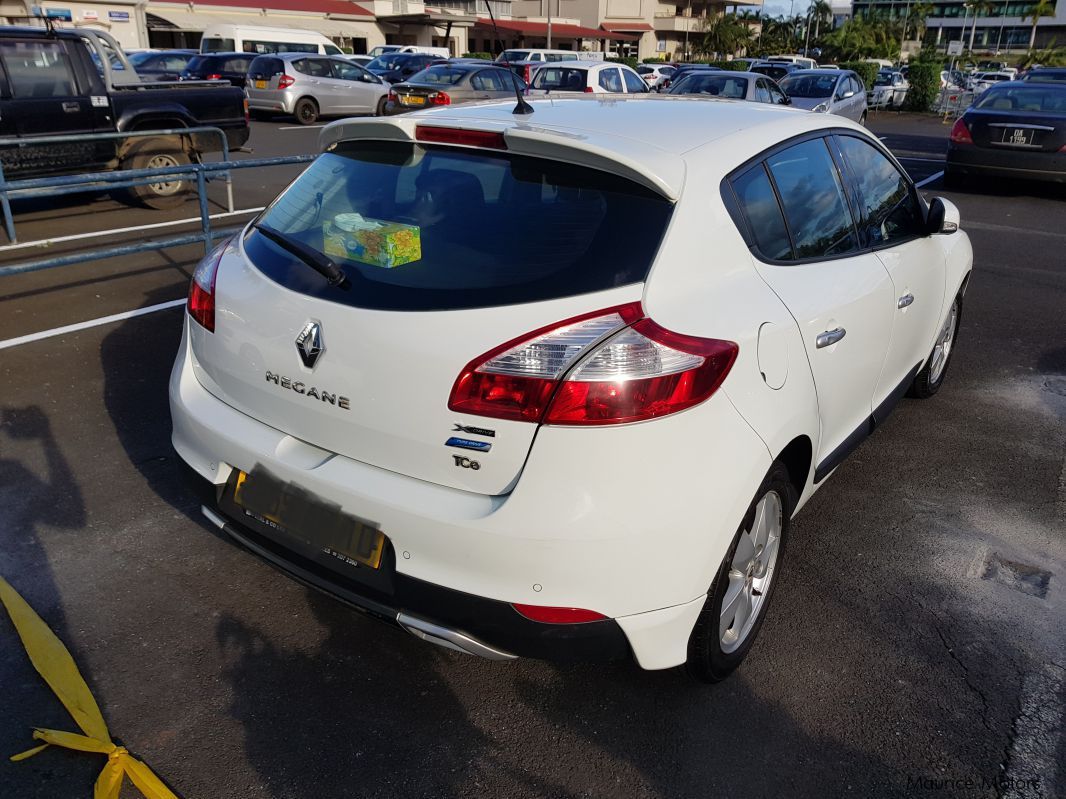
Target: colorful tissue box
x,y
384,244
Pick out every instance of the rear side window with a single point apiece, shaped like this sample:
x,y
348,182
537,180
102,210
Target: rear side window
x,y
814,204
611,80
759,204
38,70
433,228
559,79
488,80
634,84
888,209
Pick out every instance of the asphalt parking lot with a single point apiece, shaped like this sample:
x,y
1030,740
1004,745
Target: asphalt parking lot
x,y
916,643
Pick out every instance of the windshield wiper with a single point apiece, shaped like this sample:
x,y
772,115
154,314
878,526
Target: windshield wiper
x,y
313,258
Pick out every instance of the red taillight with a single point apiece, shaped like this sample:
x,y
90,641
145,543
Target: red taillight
x,y
285,81
393,98
201,302
960,134
589,90
470,138
441,98
527,73
608,367
214,76
558,615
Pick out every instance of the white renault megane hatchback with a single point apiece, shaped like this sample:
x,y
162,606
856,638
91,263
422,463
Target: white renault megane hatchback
x,y
554,384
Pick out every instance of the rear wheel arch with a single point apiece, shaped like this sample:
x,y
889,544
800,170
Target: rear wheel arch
x,y
798,458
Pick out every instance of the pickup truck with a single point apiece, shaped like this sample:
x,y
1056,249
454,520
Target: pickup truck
x,y
78,81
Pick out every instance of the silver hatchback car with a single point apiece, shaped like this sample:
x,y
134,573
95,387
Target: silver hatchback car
x,y
827,91
311,86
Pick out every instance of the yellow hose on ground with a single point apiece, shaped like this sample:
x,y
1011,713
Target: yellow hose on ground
x,y
54,663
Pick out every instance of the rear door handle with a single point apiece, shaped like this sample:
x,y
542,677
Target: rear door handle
x,y
72,108
905,300
829,337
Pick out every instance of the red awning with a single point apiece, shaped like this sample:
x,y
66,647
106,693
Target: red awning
x,y
626,26
523,27
339,7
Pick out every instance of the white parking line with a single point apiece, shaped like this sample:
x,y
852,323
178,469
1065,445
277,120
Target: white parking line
x,y
300,127
103,320
929,179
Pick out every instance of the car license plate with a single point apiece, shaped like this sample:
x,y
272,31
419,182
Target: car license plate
x,y
297,512
260,84
412,100
1018,137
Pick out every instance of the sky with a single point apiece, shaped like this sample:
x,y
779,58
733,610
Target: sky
x,y
780,8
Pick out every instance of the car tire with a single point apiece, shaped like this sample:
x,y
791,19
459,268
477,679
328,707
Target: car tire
x,y
155,153
931,376
380,110
306,111
714,649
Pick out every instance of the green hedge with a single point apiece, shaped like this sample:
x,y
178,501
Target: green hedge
x,y
732,66
924,78
866,70
486,56
629,61
657,60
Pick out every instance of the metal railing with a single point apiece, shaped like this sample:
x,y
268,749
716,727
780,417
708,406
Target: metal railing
x,y
56,186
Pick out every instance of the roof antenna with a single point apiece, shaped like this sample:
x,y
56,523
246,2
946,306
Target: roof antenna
x,y
522,107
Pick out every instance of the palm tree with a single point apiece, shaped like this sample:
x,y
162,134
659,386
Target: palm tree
x,y
724,34
1042,8
820,11
977,6
917,17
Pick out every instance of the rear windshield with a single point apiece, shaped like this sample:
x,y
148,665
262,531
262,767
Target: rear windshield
x,y
1021,96
444,73
809,85
216,45
436,228
200,62
559,78
514,55
386,61
714,84
266,67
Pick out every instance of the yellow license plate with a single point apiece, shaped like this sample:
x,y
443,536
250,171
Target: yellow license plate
x,y
296,512
413,100
260,84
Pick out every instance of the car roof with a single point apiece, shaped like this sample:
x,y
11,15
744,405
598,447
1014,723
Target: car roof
x,y
580,64
833,73
621,133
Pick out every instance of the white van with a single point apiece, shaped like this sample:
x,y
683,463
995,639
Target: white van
x,y
381,49
261,40
800,61
540,54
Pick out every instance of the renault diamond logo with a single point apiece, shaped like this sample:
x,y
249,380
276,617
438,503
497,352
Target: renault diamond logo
x,y
309,344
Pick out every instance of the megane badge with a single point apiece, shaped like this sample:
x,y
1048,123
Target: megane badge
x,y
309,344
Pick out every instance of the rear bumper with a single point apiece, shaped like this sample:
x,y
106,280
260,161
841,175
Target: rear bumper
x,y
279,102
590,524
973,160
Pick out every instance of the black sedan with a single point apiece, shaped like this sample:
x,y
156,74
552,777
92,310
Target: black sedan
x,y
219,66
161,65
395,67
683,70
1016,129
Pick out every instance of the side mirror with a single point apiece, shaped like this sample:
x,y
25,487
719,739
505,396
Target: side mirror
x,y
847,94
943,217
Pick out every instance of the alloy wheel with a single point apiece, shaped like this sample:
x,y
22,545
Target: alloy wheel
x,y
750,572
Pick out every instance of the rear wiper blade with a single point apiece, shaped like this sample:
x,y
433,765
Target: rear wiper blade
x,y
314,259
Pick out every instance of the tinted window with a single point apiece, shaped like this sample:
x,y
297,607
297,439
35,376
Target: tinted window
x,y
634,83
559,79
236,65
315,67
776,95
38,69
441,74
814,204
759,204
346,70
266,67
216,45
809,85
251,46
1022,96
888,208
462,221
488,80
715,84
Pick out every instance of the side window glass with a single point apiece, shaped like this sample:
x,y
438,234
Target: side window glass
x,y
776,95
757,200
345,70
762,92
37,69
611,80
634,83
888,209
813,200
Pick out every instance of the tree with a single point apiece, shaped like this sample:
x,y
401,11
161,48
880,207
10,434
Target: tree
x,y
724,34
820,11
977,6
1042,8
917,17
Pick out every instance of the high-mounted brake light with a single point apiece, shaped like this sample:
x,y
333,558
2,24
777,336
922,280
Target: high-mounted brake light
x,y
549,615
608,367
201,302
960,134
285,81
468,138
214,76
